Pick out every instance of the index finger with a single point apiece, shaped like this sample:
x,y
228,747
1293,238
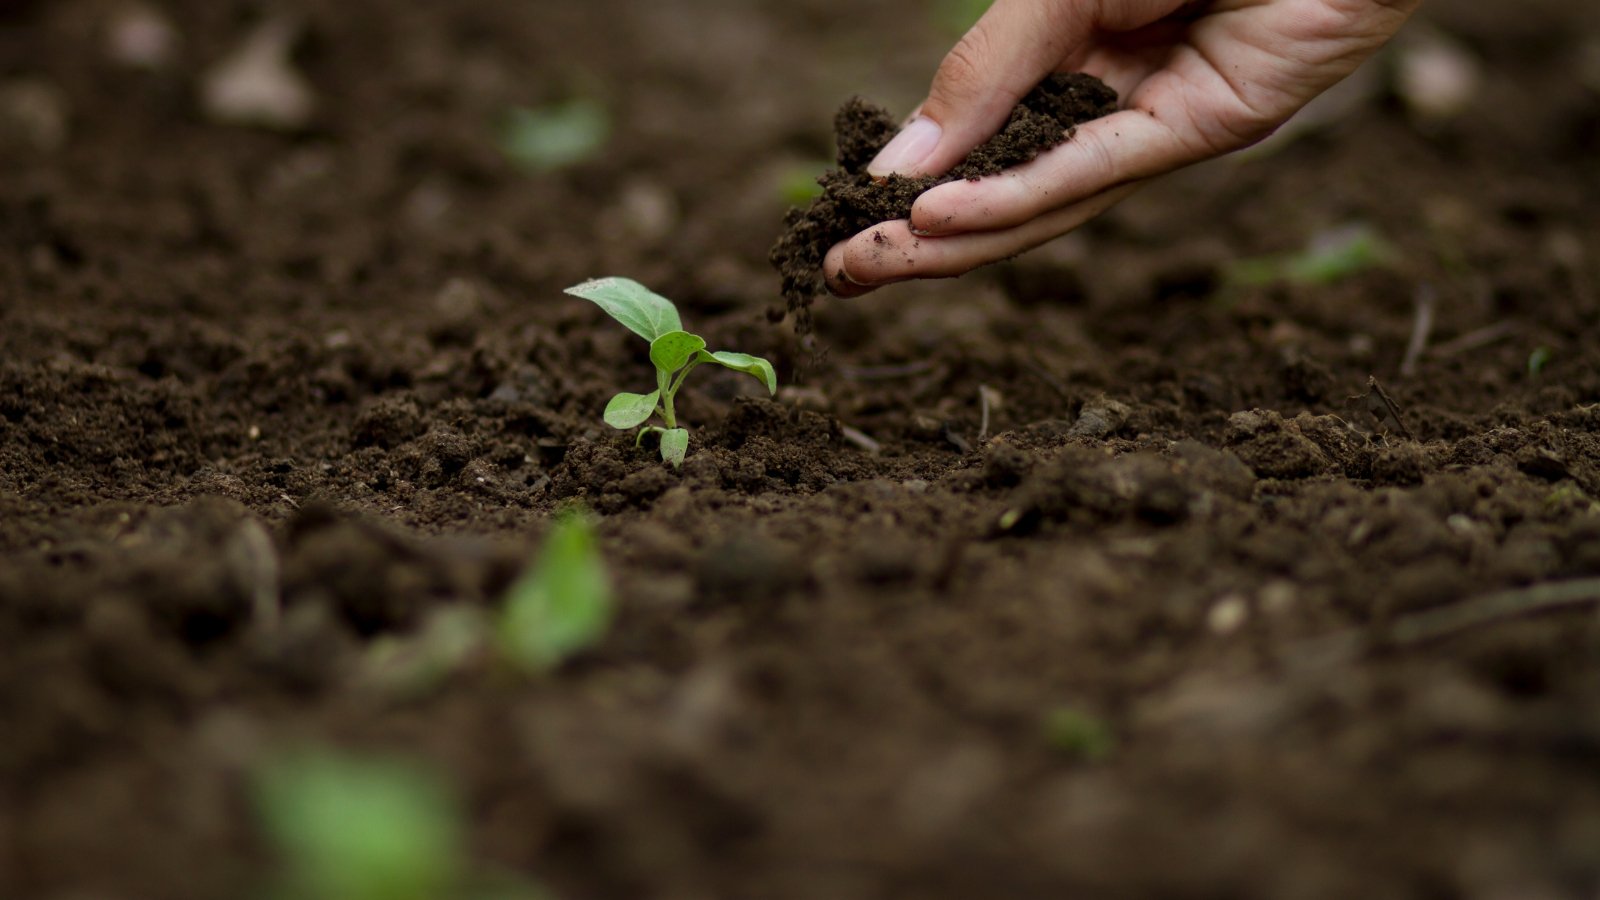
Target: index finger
x,y
890,252
1124,147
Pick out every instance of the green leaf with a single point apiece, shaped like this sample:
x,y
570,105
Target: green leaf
x,y
554,137
643,311
674,445
629,410
670,351
417,664
359,829
1338,254
1538,359
1078,734
1330,257
560,606
798,186
744,362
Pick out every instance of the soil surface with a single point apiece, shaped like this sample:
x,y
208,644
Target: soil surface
x,y
852,200
1099,573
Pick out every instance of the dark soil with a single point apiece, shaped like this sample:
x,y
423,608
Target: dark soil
x,y
1091,575
851,200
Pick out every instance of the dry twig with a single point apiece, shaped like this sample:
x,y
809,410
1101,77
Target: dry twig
x,y
988,398
1449,621
860,439
1421,328
1472,340
1383,408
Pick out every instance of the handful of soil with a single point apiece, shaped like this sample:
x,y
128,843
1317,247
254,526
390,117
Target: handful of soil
x,y
852,200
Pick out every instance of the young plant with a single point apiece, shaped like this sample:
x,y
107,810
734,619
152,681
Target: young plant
x,y
358,827
674,352
350,828
562,605
555,137
1078,734
1329,258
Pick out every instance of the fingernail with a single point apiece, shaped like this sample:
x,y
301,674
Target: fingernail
x,y
910,147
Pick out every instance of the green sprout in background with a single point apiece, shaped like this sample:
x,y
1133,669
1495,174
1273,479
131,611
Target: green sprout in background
x,y
562,605
349,827
798,186
674,352
958,16
1330,257
414,665
1078,734
1538,359
360,829
556,136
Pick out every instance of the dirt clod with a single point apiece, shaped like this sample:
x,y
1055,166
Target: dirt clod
x,y
853,200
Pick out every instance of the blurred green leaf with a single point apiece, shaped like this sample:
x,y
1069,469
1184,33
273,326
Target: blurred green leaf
x,y
1538,359
1078,734
1330,257
415,664
562,605
352,828
958,16
798,186
556,136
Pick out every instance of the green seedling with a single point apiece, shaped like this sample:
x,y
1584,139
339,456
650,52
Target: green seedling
x,y
1330,258
1538,359
557,136
562,605
674,352
360,829
1569,497
1078,734
798,185
415,665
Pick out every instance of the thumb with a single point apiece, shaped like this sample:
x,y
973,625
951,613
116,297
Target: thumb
x,y
1011,49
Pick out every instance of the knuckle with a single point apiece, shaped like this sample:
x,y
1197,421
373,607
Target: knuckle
x,y
961,73
1372,19
937,208
1250,124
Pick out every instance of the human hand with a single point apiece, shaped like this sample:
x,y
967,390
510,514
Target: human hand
x,y
1197,79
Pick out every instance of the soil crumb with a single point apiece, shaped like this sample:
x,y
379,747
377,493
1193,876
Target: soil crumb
x,y
852,200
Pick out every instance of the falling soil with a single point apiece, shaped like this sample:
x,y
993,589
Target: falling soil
x,y
852,200
1094,574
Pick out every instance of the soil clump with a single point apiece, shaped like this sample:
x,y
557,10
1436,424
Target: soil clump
x,y
853,200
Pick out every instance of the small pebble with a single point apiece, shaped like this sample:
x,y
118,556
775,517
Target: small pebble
x,y
257,84
33,115
140,37
1228,614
